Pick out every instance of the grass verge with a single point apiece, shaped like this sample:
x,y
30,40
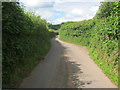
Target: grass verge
x,y
106,68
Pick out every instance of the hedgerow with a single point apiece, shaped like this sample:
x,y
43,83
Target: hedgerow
x,y
100,35
25,42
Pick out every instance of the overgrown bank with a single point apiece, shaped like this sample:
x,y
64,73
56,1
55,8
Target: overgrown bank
x,y
26,40
100,35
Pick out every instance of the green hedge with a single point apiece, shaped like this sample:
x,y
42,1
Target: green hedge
x,y
100,35
26,40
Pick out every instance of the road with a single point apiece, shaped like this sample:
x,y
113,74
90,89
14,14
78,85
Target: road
x,y
67,66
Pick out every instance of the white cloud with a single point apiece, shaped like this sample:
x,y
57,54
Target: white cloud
x,y
80,0
44,14
66,19
77,12
59,1
94,9
38,3
72,11
30,2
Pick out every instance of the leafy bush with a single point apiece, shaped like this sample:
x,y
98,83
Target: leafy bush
x,y
26,40
100,35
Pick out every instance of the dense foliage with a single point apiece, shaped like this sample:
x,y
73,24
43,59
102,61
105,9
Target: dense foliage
x,y
53,32
26,40
55,27
100,35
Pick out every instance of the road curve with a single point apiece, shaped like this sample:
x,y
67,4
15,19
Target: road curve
x,y
67,66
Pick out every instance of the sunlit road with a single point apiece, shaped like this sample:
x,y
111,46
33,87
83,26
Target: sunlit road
x,y
67,66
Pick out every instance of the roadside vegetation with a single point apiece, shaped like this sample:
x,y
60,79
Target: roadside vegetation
x,y
54,27
53,32
26,40
100,35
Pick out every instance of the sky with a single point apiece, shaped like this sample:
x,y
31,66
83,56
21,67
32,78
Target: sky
x,y
58,11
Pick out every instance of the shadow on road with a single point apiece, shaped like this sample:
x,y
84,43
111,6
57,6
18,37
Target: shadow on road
x,y
71,70
59,69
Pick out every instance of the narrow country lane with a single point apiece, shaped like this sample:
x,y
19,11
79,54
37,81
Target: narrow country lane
x,y
67,66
